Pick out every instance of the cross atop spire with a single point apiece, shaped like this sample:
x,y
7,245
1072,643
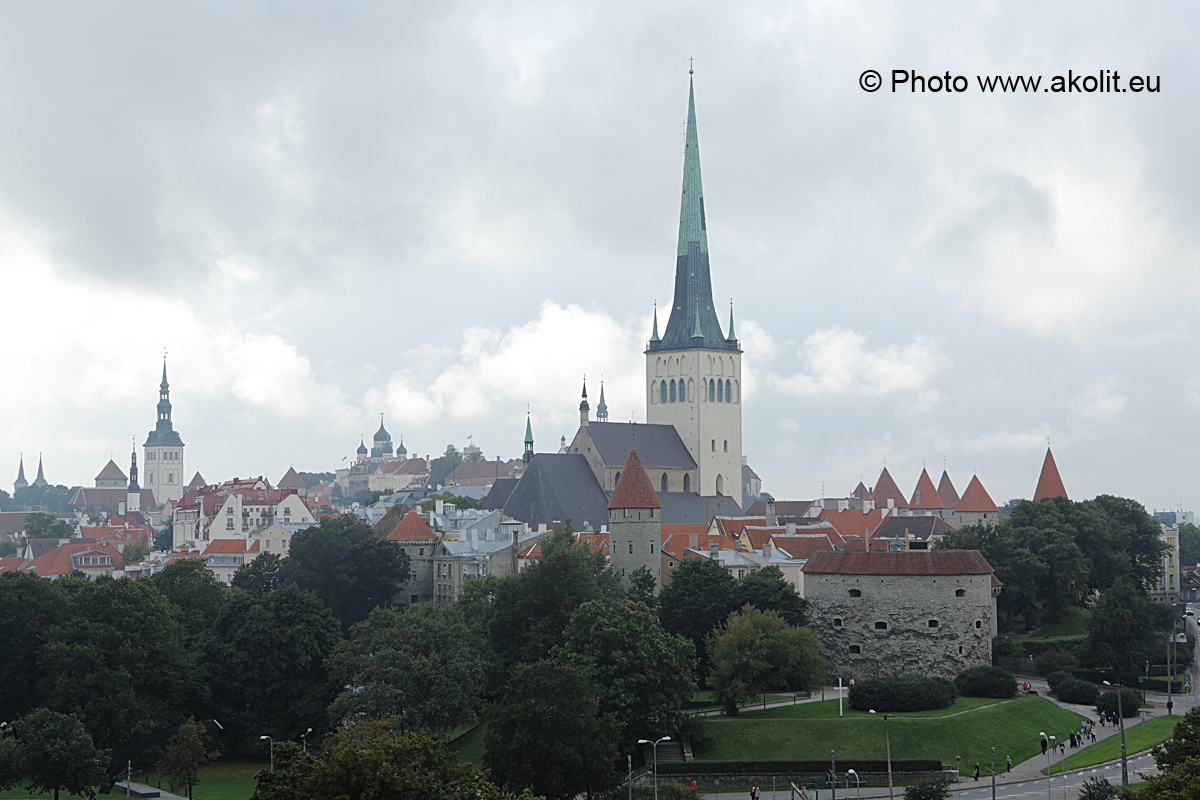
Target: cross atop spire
x,y
692,308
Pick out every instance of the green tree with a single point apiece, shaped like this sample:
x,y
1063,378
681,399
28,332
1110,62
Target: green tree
x,y
1120,633
1137,535
290,778
164,540
1182,782
260,576
547,733
117,659
642,588
423,664
58,753
347,566
532,608
53,498
644,675
12,766
698,599
185,752
459,501
194,590
935,788
7,503
311,479
262,661
29,605
134,551
1097,788
442,466
757,651
1189,544
767,590
8,548
1183,744
38,525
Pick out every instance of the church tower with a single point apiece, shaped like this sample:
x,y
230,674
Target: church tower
x,y
133,495
20,482
694,370
163,463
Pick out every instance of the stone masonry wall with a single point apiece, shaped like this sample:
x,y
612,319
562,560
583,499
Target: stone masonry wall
x,y
640,531
876,625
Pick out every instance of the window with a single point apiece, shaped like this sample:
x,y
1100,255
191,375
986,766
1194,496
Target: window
x,y
662,391
631,547
837,622
855,593
933,623
720,392
687,483
652,547
672,390
616,480
960,592
855,649
726,445
421,551
978,624
728,392
714,445
662,484
960,649
741,573
881,626
712,390
267,543
670,565
413,599
720,485
229,524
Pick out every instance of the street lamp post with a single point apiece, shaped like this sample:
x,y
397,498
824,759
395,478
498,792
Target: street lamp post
x,y
1062,768
857,782
958,774
993,773
655,749
888,743
1121,720
304,739
833,774
272,741
1047,739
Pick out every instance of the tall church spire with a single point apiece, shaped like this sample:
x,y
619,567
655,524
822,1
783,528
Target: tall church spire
x,y
40,480
602,409
528,440
692,309
20,482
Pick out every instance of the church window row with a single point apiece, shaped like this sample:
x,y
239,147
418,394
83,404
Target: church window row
x,y
674,391
152,455
714,445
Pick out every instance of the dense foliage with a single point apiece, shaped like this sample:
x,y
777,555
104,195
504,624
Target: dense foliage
x,y
1183,744
758,651
986,682
901,693
1130,702
1080,692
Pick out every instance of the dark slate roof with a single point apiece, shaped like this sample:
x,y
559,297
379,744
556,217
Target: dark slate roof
x,y
912,562
658,445
498,496
918,527
679,507
557,487
163,438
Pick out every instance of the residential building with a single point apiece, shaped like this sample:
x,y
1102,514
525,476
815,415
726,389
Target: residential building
x,y
418,540
928,612
235,510
1166,588
478,473
223,557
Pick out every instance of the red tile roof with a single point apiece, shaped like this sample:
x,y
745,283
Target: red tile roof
x,y
860,492
634,489
58,561
13,564
732,526
925,496
975,498
474,470
853,522
111,472
232,546
291,480
946,491
760,536
803,545
1049,483
412,527
886,489
673,544
911,562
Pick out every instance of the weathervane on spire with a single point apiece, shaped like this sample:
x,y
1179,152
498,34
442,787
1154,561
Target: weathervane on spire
x,y
690,70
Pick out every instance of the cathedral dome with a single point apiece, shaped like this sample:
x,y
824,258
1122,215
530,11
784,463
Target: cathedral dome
x,y
362,449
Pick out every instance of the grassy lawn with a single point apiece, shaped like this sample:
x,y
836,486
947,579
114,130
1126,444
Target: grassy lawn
x,y
1012,728
1158,730
469,747
225,780
828,709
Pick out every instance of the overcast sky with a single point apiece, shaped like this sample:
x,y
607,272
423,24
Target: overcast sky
x,y
449,212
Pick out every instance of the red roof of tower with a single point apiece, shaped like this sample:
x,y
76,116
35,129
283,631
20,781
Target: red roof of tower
x,y
925,496
412,527
860,492
111,472
886,489
976,498
291,480
1049,483
634,489
947,492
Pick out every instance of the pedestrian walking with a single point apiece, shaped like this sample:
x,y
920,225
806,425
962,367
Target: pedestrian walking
x,y
1008,763
1045,743
976,770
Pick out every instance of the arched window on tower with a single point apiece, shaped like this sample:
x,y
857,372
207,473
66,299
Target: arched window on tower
x,y
616,480
663,483
712,390
691,390
726,445
672,390
720,485
714,445
687,482
728,392
662,392
720,392
737,389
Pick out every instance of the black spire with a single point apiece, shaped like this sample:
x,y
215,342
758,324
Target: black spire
x,y
602,409
164,434
133,480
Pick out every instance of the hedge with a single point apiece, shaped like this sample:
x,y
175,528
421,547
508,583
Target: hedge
x,y
1055,679
902,693
1130,703
781,767
986,682
1073,690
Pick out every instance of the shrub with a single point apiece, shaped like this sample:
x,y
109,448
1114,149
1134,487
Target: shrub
x,y
1056,678
1073,690
986,682
1003,646
902,693
1097,789
1131,701
1057,660
931,788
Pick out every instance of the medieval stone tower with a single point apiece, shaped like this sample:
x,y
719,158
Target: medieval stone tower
x,y
694,370
635,524
163,462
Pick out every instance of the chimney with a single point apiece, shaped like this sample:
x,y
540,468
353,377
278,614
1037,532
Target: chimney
x,y
766,550
906,540
713,548
121,509
771,513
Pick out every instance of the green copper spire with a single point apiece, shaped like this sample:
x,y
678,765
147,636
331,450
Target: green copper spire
x,y
692,226
528,430
696,332
732,337
654,335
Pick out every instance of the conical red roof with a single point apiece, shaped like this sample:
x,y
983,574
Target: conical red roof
x,y
860,492
976,498
634,489
947,492
886,489
412,527
1049,483
925,496
111,472
292,480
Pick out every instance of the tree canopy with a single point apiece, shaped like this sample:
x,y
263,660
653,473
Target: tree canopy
x,y
758,651
698,599
260,576
1120,632
58,754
